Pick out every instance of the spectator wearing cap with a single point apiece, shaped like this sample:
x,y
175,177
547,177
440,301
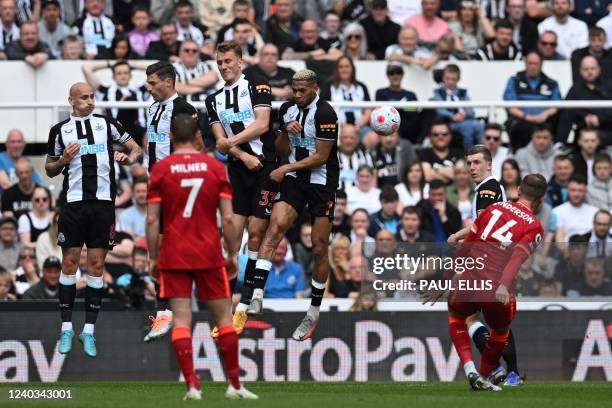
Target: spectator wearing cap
x,y
97,30
409,127
596,49
502,47
167,48
572,33
547,46
9,244
382,32
283,27
386,218
429,26
268,69
29,47
48,286
51,30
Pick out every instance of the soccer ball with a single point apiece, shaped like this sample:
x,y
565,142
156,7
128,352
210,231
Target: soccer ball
x,y
385,120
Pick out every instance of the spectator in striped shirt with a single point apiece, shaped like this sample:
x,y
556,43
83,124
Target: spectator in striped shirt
x,y
10,31
195,78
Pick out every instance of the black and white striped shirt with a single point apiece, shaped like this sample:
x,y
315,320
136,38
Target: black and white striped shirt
x,y
319,121
9,36
234,107
184,74
159,117
91,174
487,192
97,33
130,118
191,33
350,164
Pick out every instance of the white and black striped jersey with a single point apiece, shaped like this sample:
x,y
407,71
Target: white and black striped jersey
x,y
9,36
319,121
234,107
191,33
24,10
159,117
488,192
129,118
91,174
97,33
350,164
184,75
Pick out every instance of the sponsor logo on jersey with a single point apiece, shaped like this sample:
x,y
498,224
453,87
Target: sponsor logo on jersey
x,y
327,127
155,137
297,141
263,88
91,148
228,116
68,130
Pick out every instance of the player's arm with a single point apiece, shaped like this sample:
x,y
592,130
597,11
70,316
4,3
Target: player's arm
x,y
135,151
255,130
282,146
229,227
54,164
119,135
89,71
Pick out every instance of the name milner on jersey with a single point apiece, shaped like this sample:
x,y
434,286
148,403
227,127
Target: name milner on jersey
x,y
517,211
188,167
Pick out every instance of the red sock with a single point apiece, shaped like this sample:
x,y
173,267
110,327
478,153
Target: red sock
x,y
228,342
181,341
492,352
461,338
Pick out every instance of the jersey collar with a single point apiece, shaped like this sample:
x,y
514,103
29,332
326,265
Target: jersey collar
x,y
81,118
313,103
483,181
170,99
226,86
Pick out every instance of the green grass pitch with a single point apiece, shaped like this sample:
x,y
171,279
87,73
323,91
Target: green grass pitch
x,y
319,395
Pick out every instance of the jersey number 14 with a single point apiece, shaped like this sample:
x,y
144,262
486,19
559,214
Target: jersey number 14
x,y
501,234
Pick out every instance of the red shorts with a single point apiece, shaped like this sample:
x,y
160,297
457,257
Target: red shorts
x,y
211,284
496,314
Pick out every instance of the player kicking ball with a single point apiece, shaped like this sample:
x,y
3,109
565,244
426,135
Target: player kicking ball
x,y
190,186
504,235
309,134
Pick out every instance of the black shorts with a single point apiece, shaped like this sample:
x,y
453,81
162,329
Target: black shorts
x,y
87,222
320,199
253,193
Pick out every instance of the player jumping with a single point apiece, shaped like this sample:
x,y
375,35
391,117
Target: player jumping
x,y
190,186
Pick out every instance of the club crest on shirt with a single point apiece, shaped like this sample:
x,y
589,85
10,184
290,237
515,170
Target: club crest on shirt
x,y
244,93
99,127
61,238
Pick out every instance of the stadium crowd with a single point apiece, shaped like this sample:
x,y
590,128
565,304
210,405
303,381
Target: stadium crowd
x,y
410,187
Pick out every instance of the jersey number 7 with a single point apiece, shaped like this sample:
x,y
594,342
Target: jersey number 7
x,y
501,234
195,184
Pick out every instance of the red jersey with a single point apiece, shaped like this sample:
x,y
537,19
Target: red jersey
x,y
189,187
500,230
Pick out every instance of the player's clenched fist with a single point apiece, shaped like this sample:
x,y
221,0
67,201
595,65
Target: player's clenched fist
x,y
294,127
70,153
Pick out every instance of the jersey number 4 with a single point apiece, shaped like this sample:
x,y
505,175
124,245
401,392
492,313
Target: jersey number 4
x,y
501,234
195,184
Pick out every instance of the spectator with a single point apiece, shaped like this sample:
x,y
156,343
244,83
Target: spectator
x,y
341,224
364,193
525,30
355,42
310,45
9,244
440,218
401,10
439,159
538,156
48,286
462,121
216,14
461,192
382,31
547,46
167,48
365,301
17,200
28,47
302,250
195,79
406,51
249,40
472,28
563,168
72,48
583,154
121,48
119,260
502,48
132,219
240,10
283,27
97,30
6,286
26,274
186,26
511,179
572,216
73,10
428,25
331,29
445,50
390,158
591,87
529,85
361,242
386,218
594,282
493,142
51,30
140,36
600,188
268,69
596,48
590,11
340,284
606,24
35,222
599,238
528,280
413,187
351,156
15,145
10,30
286,278
410,230
568,272
345,87
46,244
313,9
572,33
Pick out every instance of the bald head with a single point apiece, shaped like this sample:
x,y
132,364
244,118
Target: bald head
x,y
15,143
82,99
589,69
79,88
309,32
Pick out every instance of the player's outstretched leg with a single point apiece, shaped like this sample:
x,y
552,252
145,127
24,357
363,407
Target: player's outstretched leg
x,y
67,294
182,345
493,351
509,355
480,335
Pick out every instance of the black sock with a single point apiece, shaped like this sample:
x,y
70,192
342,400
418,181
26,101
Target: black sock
x,y
249,282
509,354
67,293
160,304
262,269
93,302
480,338
316,295
232,283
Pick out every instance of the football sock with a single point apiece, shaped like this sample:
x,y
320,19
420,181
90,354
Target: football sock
x,y
89,328
181,342
228,342
492,352
479,334
461,339
469,368
509,353
316,297
67,293
249,281
93,298
262,269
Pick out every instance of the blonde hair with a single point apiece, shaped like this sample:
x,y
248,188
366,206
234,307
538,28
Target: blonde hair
x,y
338,241
5,277
358,307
